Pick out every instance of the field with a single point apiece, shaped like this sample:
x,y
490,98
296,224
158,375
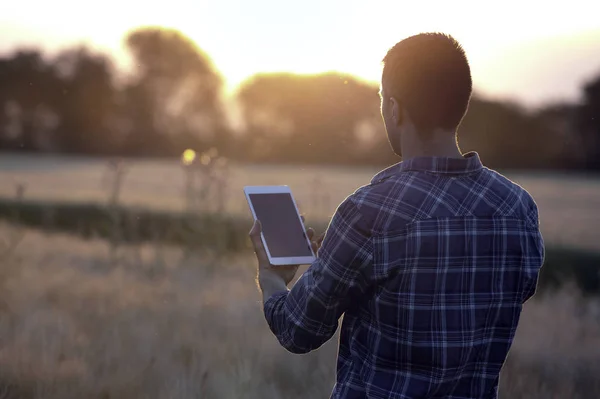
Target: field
x,y
155,324
568,203
78,320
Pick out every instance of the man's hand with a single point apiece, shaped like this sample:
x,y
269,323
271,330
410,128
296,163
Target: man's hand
x,y
272,279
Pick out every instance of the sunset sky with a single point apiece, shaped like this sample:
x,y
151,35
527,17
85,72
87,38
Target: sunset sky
x,y
531,51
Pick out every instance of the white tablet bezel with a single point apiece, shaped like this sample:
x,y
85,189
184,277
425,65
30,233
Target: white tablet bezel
x,y
280,261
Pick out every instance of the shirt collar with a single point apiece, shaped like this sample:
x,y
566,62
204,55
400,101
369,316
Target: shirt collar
x,y
469,163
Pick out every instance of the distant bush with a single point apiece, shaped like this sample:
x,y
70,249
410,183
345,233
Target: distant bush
x,y
129,225
566,265
227,233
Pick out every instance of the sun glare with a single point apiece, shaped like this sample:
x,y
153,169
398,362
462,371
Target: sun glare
x,y
334,35
188,157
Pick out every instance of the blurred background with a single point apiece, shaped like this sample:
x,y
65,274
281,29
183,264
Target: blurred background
x,y
128,130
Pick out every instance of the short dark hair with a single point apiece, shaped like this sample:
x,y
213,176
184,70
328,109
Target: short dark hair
x,y
430,74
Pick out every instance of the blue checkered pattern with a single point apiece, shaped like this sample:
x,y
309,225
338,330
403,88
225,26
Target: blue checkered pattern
x,y
429,265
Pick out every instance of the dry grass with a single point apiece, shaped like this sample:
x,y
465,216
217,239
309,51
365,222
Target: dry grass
x,y
154,324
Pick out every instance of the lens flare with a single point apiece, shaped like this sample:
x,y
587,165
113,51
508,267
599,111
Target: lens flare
x,y
188,156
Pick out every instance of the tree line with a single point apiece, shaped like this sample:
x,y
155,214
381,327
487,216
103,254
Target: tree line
x,y
77,103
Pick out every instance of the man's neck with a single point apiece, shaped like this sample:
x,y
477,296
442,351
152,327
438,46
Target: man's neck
x,y
440,144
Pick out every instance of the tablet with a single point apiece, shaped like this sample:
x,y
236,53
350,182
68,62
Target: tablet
x,y
283,233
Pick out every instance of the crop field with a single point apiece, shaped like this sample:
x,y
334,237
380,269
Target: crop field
x,y
569,204
153,323
79,319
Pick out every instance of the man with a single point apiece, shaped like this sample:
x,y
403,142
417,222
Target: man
x,y
430,264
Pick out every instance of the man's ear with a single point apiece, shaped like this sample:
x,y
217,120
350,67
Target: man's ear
x,y
397,111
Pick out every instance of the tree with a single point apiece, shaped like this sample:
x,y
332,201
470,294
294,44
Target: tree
x,y
588,123
506,136
173,100
85,102
28,112
326,118
560,120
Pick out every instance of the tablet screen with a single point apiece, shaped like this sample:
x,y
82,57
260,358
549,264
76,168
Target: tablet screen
x,y
280,225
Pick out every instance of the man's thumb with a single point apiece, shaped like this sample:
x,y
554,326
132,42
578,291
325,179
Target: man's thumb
x,y
256,228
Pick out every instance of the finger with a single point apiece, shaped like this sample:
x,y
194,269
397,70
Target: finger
x,y
257,243
256,228
310,233
255,235
315,247
321,238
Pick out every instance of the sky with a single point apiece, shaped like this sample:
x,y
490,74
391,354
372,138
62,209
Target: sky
x,y
529,51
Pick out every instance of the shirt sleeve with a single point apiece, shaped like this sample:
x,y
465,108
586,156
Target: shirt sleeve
x,y
535,257
306,316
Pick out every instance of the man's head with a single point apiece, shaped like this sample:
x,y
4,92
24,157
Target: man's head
x,y
425,87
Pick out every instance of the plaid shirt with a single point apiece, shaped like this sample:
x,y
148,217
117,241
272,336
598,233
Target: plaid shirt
x,y
430,265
